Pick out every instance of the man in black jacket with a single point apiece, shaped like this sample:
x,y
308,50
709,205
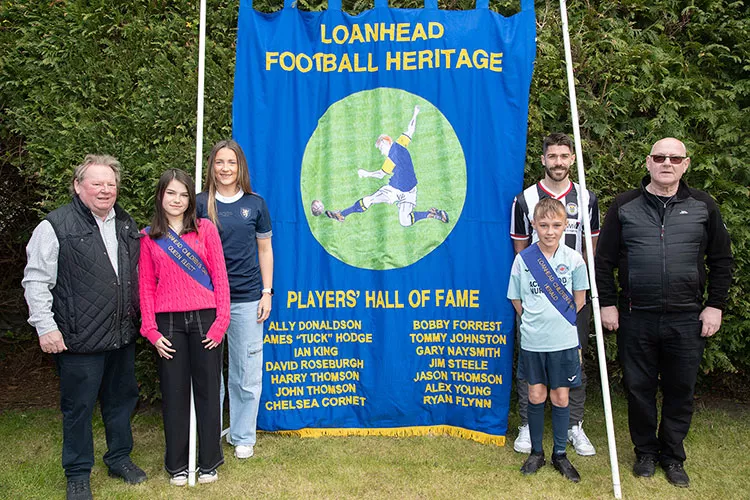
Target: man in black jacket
x,y
81,285
661,237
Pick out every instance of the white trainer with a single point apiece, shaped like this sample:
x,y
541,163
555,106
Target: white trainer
x,y
243,451
208,477
522,444
580,441
179,479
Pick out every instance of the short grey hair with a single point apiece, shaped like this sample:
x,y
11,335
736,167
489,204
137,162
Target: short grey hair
x,y
105,160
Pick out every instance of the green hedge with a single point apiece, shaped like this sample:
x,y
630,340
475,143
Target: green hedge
x,y
121,77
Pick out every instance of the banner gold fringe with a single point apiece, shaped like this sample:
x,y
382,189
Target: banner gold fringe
x,y
428,430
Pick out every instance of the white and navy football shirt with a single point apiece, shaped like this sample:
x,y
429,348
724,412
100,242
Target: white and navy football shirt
x,y
523,213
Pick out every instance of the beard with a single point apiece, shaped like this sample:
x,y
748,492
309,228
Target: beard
x,y
557,173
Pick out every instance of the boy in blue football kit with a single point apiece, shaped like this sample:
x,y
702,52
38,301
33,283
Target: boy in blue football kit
x,y
548,284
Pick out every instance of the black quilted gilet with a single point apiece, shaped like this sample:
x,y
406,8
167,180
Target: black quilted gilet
x,y
95,309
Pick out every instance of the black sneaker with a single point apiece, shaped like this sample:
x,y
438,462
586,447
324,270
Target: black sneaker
x,y
128,471
676,474
533,463
78,489
562,464
644,466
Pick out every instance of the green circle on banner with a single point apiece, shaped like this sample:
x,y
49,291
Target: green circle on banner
x,y
397,228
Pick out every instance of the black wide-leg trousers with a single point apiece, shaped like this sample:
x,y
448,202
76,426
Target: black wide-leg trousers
x,y
186,331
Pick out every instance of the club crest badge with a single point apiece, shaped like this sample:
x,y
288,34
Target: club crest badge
x,y
571,208
245,213
562,269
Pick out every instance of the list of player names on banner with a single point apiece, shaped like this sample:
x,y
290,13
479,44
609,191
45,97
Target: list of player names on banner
x,y
454,360
321,371
456,356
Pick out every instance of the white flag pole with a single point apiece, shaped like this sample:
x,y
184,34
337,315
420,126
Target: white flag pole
x,y
590,258
198,185
192,439
201,90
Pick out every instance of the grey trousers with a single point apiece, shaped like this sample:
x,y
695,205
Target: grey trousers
x,y
577,396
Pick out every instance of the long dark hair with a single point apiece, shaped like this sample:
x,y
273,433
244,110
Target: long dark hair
x,y
159,223
243,175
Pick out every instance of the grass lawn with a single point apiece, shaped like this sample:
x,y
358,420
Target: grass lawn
x,y
718,448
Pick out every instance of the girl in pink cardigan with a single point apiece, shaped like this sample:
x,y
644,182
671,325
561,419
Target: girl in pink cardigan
x,y
185,307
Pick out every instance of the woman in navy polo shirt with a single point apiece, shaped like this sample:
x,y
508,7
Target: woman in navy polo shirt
x,y
245,229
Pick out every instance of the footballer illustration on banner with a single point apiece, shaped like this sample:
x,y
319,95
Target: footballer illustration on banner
x,y
391,187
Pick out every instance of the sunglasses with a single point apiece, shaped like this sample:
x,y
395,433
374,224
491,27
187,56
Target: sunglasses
x,y
674,160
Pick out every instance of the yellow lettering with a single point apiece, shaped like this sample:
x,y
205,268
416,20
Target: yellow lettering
x,y
370,66
329,63
496,62
463,59
340,34
318,58
286,66
371,32
402,32
356,34
387,29
410,60
323,34
308,62
436,30
425,59
271,58
392,59
480,59
447,53
357,69
291,298
419,33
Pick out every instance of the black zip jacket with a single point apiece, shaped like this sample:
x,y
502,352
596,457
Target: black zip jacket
x,y
662,259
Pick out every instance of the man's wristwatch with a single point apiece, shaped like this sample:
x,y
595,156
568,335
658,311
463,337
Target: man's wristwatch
x,y
269,291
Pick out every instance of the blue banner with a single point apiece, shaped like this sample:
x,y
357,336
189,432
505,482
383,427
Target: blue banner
x,y
389,147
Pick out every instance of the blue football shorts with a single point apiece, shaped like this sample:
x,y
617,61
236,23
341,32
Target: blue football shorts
x,y
553,369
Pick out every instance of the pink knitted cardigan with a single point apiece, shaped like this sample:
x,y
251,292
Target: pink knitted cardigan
x,y
165,287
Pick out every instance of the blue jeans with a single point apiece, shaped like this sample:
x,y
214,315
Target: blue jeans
x,y
245,380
